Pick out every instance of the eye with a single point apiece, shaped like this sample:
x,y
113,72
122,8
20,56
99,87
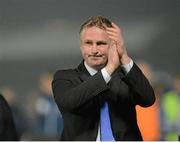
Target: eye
x,y
101,43
88,42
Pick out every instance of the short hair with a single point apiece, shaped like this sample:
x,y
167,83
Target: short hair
x,y
98,21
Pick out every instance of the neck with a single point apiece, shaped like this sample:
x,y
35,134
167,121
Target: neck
x,y
97,68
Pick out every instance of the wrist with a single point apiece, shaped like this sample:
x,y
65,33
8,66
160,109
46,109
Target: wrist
x,y
110,69
125,59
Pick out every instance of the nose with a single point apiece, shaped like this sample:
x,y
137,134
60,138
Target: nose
x,y
94,49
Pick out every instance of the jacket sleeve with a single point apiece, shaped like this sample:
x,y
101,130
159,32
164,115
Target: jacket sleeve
x,y
142,92
71,92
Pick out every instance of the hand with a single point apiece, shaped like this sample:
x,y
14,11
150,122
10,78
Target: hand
x,y
113,58
115,35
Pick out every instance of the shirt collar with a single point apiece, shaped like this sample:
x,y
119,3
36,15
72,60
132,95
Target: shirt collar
x,y
90,69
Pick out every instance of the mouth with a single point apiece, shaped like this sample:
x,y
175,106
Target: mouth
x,y
96,57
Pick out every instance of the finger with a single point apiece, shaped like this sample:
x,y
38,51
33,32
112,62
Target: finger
x,y
113,38
112,42
111,29
113,47
115,26
112,33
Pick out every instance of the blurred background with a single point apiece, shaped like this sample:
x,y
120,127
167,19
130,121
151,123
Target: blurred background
x,y
38,37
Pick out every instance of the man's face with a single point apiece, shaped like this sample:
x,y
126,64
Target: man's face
x,y
95,44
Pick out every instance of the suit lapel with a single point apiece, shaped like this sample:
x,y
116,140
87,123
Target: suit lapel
x,y
85,75
82,71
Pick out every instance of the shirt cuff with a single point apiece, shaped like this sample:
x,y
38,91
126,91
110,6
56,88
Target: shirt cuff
x,y
126,68
105,75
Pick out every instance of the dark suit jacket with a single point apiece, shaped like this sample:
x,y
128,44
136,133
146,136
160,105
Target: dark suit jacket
x,y
78,96
7,127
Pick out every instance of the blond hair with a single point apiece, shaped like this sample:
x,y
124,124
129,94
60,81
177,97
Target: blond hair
x,y
98,21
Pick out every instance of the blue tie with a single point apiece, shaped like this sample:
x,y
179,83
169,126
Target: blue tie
x,y
106,131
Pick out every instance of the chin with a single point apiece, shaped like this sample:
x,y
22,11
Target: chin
x,y
98,66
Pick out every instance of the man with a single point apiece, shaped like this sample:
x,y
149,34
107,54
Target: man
x,y
7,126
106,78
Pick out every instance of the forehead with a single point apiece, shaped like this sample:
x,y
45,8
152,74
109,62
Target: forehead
x,y
94,33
